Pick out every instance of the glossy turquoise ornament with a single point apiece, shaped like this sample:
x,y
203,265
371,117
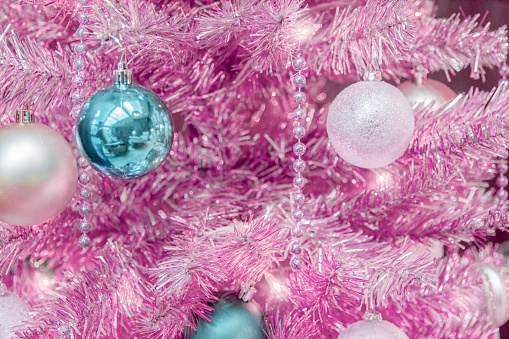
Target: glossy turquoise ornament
x,y
232,319
125,131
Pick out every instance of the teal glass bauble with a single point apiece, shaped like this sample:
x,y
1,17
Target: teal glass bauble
x,y
125,131
232,319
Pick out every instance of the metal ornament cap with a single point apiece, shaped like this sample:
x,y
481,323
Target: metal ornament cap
x,y
122,75
24,116
373,76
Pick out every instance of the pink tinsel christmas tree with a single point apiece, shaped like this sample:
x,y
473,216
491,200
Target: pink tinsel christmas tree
x,y
407,242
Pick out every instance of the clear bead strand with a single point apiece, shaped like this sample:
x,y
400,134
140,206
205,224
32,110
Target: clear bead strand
x,y
78,81
502,167
502,180
299,165
79,63
85,206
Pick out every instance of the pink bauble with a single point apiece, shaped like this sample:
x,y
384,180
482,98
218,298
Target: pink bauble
x,y
369,329
430,91
495,290
370,124
13,312
38,174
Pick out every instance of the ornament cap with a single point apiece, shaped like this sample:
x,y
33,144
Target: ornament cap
x,y
24,116
122,75
372,315
373,76
421,75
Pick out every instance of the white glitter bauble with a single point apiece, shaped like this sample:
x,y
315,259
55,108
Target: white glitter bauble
x,y
13,311
370,124
430,91
368,329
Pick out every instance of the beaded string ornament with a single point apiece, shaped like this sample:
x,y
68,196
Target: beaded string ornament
x,y
502,167
78,98
299,165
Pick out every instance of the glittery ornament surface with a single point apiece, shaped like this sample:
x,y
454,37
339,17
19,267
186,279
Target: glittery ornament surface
x,y
125,131
370,124
13,311
367,329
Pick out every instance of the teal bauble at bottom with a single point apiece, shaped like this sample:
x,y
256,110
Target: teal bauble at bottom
x,y
232,319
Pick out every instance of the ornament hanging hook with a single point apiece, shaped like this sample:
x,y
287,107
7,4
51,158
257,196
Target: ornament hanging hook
x,y
371,74
25,106
123,56
378,64
375,52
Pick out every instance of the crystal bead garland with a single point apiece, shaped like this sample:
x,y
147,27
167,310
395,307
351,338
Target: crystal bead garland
x,y
79,63
78,81
502,167
299,165
502,180
85,207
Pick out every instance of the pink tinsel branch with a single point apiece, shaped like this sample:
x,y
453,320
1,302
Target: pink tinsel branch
x,y
288,323
440,45
190,265
459,286
136,27
265,32
362,38
32,74
46,24
101,299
